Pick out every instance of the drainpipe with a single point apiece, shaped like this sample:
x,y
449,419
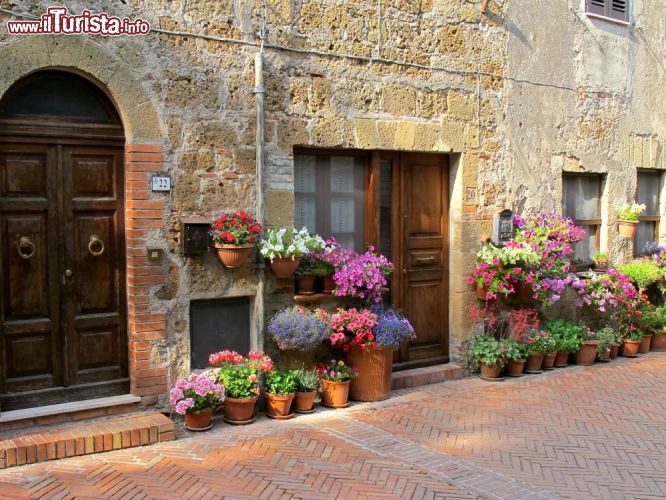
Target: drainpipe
x,y
259,94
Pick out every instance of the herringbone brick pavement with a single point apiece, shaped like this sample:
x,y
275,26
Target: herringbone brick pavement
x,y
596,432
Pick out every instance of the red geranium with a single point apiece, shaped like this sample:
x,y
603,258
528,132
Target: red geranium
x,y
235,229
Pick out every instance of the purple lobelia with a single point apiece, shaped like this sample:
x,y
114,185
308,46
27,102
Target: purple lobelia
x,y
391,329
299,329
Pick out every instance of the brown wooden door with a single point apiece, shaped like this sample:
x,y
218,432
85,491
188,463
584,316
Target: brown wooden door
x,y
63,305
422,257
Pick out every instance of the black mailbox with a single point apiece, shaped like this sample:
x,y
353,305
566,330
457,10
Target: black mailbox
x,y
194,235
503,227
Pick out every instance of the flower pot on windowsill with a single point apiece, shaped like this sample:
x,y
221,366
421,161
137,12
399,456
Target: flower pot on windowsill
x,y
627,228
328,284
284,267
644,346
233,256
305,285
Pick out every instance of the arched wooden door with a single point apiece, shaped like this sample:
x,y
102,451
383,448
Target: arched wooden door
x,y
63,308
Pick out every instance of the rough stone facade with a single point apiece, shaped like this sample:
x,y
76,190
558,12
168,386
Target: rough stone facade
x,y
516,96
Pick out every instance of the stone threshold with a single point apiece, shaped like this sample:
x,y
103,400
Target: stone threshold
x,y
425,376
86,437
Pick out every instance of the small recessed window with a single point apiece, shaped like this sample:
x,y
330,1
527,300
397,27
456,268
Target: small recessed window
x,y
647,193
582,203
617,10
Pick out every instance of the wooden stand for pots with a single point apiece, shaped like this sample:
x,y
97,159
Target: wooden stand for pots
x,y
514,368
278,406
199,421
239,411
562,360
658,342
373,382
630,348
335,394
233,256
644,346
587,353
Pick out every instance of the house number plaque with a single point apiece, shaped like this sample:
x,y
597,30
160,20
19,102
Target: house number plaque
x,y
503,227
160,183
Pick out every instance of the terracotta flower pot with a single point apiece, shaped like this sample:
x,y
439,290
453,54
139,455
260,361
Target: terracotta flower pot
x,y
304,401
534,362
549,361
233,256
490,371
514,368
630,348
279,405
587,353
627,228
373,382
562,360
335,394
481,292
199,421
305,285
644,346
239,411
328,284
614,349
658,342
284,267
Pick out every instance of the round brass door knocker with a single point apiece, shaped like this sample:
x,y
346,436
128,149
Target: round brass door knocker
x,y
25,247
96,246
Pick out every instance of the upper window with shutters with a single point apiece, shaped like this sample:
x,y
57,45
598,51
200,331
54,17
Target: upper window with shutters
x,y
613,10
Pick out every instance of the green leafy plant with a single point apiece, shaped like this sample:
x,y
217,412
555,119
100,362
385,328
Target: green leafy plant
x,y
636,335
600,257
607,337
540,341
630,212
314,265
240,381
281,382
487,350
568,336
515,350
660,322
307,381
642,272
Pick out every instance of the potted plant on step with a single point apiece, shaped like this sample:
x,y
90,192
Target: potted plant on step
x,y
515,358
369,337
628,215
568,339
240,376
195,397
600,262
489,355
234,236
335,379
280,389
307,385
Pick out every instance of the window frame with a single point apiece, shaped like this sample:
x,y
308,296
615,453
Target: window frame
x,y
607,12
649,218
598,223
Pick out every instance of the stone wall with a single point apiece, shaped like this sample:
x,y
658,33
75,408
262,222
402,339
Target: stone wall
x,y
517,96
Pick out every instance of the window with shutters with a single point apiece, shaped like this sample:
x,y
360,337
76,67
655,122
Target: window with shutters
x,y
617,10
647,193
582,203
329,192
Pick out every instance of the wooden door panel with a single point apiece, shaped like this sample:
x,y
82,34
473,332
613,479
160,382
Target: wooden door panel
x,y
30,334
424,257
94,301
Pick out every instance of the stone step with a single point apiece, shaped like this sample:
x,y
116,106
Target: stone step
x,y
84,438
424,376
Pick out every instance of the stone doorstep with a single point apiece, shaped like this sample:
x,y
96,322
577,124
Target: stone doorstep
x,y
424,376
86,437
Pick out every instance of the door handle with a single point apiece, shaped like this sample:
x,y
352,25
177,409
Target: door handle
x,y
68,273
25,248
95,246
